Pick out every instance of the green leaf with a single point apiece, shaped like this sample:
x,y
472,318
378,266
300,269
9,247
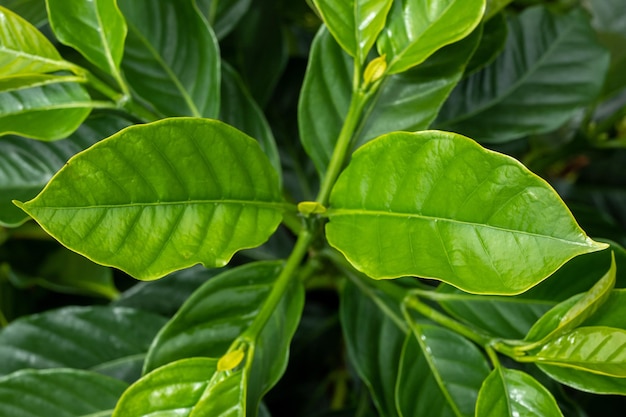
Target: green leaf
x,y
574,311
600,350
612,313
47,112
95,28
440,374
530,88
437,205
239,109
504,317
27,165
189,387
20,81
355,24
511,393
585,381
171,57
374,340
166,295
408,101
98,338
415,29
133,202
32,10
223,15
492,43
25,50
59,393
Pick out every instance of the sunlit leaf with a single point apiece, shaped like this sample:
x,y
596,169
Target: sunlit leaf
x,y
132,202
437,205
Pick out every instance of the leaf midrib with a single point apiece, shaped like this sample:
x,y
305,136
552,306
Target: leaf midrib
x,y
378,213
279,206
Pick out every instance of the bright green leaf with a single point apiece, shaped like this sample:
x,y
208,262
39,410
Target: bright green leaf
x,y
437,205
58,393
530,88
612,313
27,165
223,15
171,57
408,101
132,202
20,81
47,112
25,50
415,29
495,6
440,374
101,339
95,28
355,24
513,393
239,110
585,381
574,311
600,350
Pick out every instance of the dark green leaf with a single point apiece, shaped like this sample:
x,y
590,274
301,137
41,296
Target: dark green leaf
x,y
513,393
374,339
223,15
440,374
58,393
25,50
241,111
530,88
416,29
27,165
96,338
437,205
355,24
133,203
32,10
47,112
95,28
491,44
612,313
171,57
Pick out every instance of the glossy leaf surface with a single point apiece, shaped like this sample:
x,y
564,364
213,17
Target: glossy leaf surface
x,y
171,57
612,313
600,350
416,29
585,381
59,393
408,101
355,24
95,338
23,49
20,81
58,108
27,165
95,28
511,393
223,16
437,205
374,340
530,87
132,202
440,374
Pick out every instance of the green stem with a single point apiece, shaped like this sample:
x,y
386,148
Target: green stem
x,y
343,146
445,321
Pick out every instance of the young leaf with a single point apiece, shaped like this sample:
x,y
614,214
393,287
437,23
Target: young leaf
x,y
355,24
600,350
59,393
511,393
530,88
415,29
25,50
440,374
160,197
95,338
437,205
27,165
574,311
95,28
171,57
58,108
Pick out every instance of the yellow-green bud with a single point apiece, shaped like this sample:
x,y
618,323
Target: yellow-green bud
x,y
375,69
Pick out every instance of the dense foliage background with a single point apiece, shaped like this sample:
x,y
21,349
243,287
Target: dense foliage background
x,y
265,46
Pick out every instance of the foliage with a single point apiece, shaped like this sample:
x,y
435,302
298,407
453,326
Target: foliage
x,y
383,264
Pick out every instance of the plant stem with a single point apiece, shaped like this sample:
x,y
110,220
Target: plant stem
x,y
343,145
